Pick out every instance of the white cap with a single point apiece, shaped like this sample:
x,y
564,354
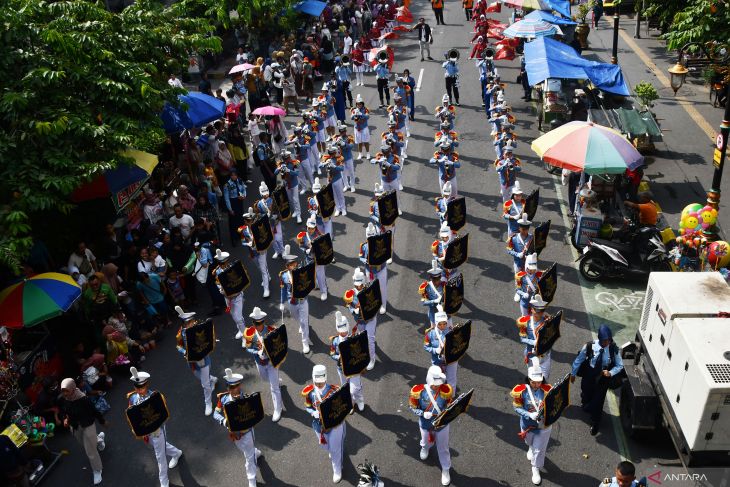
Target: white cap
x,y
531,261
312,222
358,277
445,98
341,322
500,97
446,190
257,314
536,301
435,270
509,146
523,221
316,186
516,189
440,315
445,230
221,256
139,378
534,372
434,376
358,99
263,189
378,189
319,373
325,87
249,214
231,378
370,230
287,255
182,314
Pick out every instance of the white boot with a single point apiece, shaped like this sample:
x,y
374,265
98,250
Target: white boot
x,y
529,454
536,479
208,409
336,477
277,416
445,477
266,292
97,477
305,347
424,452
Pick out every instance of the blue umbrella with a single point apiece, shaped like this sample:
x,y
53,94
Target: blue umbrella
x,y
201,109
310,7
560,6
548,17
530,28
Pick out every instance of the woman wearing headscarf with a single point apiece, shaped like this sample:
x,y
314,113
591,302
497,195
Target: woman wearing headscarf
x,y
80,415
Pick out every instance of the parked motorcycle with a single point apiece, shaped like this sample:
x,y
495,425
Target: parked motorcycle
x,y
646,253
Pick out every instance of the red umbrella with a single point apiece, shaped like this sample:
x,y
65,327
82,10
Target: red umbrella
x,y
269,110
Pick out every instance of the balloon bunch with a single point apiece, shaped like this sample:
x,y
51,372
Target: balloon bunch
x,y
718,254
35,428
696,218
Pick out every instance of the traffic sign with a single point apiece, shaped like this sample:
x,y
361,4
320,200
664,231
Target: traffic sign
x,y
716,157
719,140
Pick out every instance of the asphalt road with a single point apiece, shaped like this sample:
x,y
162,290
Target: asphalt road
x,y
485,448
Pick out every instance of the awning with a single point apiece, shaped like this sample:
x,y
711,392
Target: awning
x,y
548,17
310,7
635,123
547,58
560,6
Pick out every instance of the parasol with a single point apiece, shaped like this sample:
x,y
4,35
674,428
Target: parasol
x,y
269,110
37,299
531,28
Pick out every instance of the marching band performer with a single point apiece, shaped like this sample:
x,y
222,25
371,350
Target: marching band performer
x,y
432,292
344,331
382,73
507,168
358,62
527,282
397,143
298,307
434,341
310,129
332,440
324,225
258,256
443,201
528,327
513,209
374,212
158,439
445,134
304,239
266,206
451,76
375,271
527,399
327,103
301,143
334,164
446,111
438,249
233,303
505,139
254,336
360,115
427,401
201,368
389,167
518,244
447,162
343,72
288,169
346,144
353,306
243,440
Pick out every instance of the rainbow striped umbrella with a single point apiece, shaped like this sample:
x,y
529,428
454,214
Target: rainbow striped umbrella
x,y
531,28
37,299
587,147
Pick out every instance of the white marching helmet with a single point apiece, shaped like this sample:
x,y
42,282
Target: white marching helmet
x,y
139,378
358,277
182,314
378,189
445,230
445,98
516,189
534,372
257,314
435,377
440,315
531,262
524,221
221,256
316,186
263,189
371,231
446,190
358,99
312,222
341,322
319,374
537,302
231,378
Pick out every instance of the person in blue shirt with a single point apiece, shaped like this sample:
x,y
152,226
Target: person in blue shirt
x,y
382,73
411,101
597,362
343,72
234,192
625,477
451,75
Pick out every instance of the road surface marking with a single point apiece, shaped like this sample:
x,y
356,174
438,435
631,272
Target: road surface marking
x,y
633,300
420,78
688,106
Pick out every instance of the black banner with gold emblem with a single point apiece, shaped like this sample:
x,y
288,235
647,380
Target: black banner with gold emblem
x,y
233,278
548,283
322,248
149,415
388,208
276,345
556,400
380,248
326,201
456,213
199,340
453,410
539,238
453,295
456,342
531,204
370,300
548,334
261,232
354,354
456,252
303,280
243,413
282,202
335,409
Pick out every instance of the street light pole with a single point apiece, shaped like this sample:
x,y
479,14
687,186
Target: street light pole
x,y
713,195
614,51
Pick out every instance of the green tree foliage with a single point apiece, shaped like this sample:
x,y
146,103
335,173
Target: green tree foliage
x,y
685,21
79,85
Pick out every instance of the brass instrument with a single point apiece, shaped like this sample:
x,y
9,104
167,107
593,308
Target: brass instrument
x,y
349,296
345,60
422,291
488,54
452,55
383,57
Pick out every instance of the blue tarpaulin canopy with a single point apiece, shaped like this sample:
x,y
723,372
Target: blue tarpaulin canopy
x,y
560,6
548,17
202,109
547,58
310,7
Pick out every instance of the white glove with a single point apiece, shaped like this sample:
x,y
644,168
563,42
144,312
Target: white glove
x,y
281,307
308,251
427,415
533,416
438,350
315,414
261,354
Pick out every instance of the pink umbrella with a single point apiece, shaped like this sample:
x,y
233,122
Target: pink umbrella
x,y
269,111
241,67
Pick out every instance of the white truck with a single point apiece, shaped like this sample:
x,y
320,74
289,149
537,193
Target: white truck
x,y
678,368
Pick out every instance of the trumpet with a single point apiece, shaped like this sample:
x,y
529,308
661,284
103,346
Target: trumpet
x,y
488,54
452,55
422,291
